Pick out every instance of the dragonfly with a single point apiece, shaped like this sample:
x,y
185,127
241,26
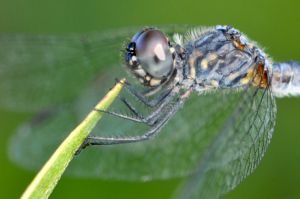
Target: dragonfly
x,y
200,105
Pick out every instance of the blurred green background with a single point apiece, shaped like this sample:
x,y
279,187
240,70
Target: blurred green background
x,y
274,24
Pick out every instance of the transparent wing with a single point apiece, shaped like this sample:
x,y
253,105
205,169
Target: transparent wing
x,y
38,71
176,151
237,149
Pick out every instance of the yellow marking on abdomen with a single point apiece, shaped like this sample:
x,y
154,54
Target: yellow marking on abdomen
x,y
257,75
214,83
249,76
192,68
232,76
204,64
192,61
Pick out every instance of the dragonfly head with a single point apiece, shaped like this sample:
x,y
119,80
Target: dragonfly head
x,y
150,57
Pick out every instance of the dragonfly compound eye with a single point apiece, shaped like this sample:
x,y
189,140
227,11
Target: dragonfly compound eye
x,y
150,56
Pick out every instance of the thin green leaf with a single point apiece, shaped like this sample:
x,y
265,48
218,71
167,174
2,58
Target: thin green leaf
x,y
45,181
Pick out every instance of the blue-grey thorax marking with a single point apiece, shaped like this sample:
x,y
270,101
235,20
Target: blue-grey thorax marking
x,y
216,59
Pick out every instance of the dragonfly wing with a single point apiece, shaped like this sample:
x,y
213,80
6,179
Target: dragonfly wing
x,y
38,71
237,149
187,138
42,70
174,152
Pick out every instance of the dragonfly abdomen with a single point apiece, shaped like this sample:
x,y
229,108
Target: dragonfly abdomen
x,y
286,79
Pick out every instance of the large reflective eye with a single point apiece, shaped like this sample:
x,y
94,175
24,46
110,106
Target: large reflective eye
x,y
153,52
150,55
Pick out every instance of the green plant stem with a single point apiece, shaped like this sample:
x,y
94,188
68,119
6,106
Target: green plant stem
x,y
45,181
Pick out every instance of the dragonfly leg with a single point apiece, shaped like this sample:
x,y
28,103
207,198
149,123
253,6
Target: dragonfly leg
x,y
150,119
141,97
130,107
137,118
154,130
96,140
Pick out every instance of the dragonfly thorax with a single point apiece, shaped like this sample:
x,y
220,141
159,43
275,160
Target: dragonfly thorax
x,y
223,57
